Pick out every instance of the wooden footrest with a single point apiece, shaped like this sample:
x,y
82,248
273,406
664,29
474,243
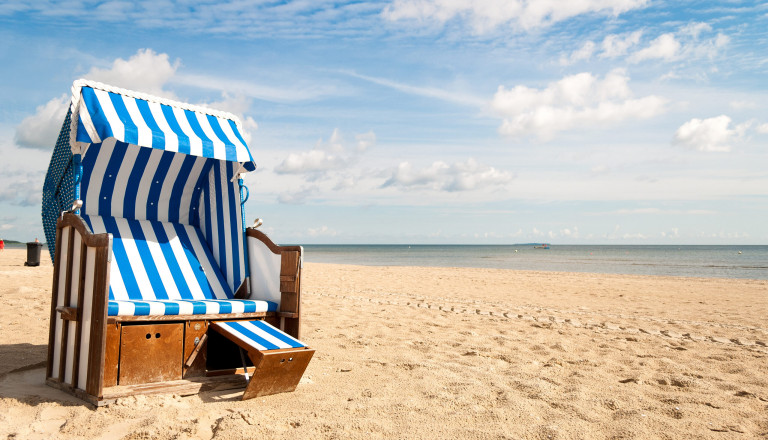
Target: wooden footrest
x,y
279,359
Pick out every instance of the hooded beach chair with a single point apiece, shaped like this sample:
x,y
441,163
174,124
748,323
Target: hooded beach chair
x,y
158,286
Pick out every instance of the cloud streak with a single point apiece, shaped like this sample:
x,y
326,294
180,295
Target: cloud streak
x,y
440,176
486,16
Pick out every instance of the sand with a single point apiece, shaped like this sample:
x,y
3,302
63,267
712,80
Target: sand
x,y
405,352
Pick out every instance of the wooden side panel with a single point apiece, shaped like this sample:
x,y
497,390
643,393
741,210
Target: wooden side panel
x,y
151,353
79,301
112,354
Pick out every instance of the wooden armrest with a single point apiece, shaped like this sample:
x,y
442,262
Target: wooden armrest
x,y
67,313
287,315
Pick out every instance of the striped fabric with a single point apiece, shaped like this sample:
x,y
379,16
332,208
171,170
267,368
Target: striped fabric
x,y
125,181
260,335
173,128
187,307
221,223
164,268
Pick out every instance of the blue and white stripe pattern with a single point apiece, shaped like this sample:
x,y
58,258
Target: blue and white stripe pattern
x,y
260,335
163,268
123,181
148,123
221,223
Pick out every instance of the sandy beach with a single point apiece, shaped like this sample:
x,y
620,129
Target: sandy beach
x,y
409,352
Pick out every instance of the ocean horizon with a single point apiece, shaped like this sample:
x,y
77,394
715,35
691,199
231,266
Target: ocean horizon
x,y
703,261
708,261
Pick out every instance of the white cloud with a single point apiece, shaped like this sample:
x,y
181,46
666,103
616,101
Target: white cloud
x,y
485,16
686,43
712,134
310,162
365,141
460,176
145,71
664,47
762,128
616,45
581,54
333,154
574,101
41,129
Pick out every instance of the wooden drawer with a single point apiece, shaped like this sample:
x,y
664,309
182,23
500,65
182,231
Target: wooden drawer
x,y
151,353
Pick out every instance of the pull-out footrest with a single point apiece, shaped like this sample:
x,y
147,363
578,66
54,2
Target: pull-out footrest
x,y
279,359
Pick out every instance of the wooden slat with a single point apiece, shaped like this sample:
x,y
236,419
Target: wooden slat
x,y
79,312
289,269
97,349
112,354
67,296
54,299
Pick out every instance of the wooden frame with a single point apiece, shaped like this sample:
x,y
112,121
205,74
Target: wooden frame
x,y
79,304
84,344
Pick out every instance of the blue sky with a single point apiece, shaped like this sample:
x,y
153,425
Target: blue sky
x,y
430,121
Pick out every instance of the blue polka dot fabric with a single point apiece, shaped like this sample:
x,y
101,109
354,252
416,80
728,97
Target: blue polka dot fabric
x,y
59,187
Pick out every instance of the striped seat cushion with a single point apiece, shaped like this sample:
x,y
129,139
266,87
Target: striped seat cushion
x,y
165,268
187,307
259,335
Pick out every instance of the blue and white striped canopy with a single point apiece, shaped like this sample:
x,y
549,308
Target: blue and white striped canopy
x,y
152,122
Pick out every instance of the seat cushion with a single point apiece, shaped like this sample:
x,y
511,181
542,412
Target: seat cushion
x,y
187,307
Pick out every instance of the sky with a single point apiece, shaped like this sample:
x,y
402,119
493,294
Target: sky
x,y
429,121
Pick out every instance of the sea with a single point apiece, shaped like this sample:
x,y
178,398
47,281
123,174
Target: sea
x,y
748,262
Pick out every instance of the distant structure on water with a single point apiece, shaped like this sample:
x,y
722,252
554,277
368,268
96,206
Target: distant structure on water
x,y
535,245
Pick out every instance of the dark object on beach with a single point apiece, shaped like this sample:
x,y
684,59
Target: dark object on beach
x,y
33,253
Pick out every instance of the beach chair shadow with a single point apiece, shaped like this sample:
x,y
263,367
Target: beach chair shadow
x,y
158,285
